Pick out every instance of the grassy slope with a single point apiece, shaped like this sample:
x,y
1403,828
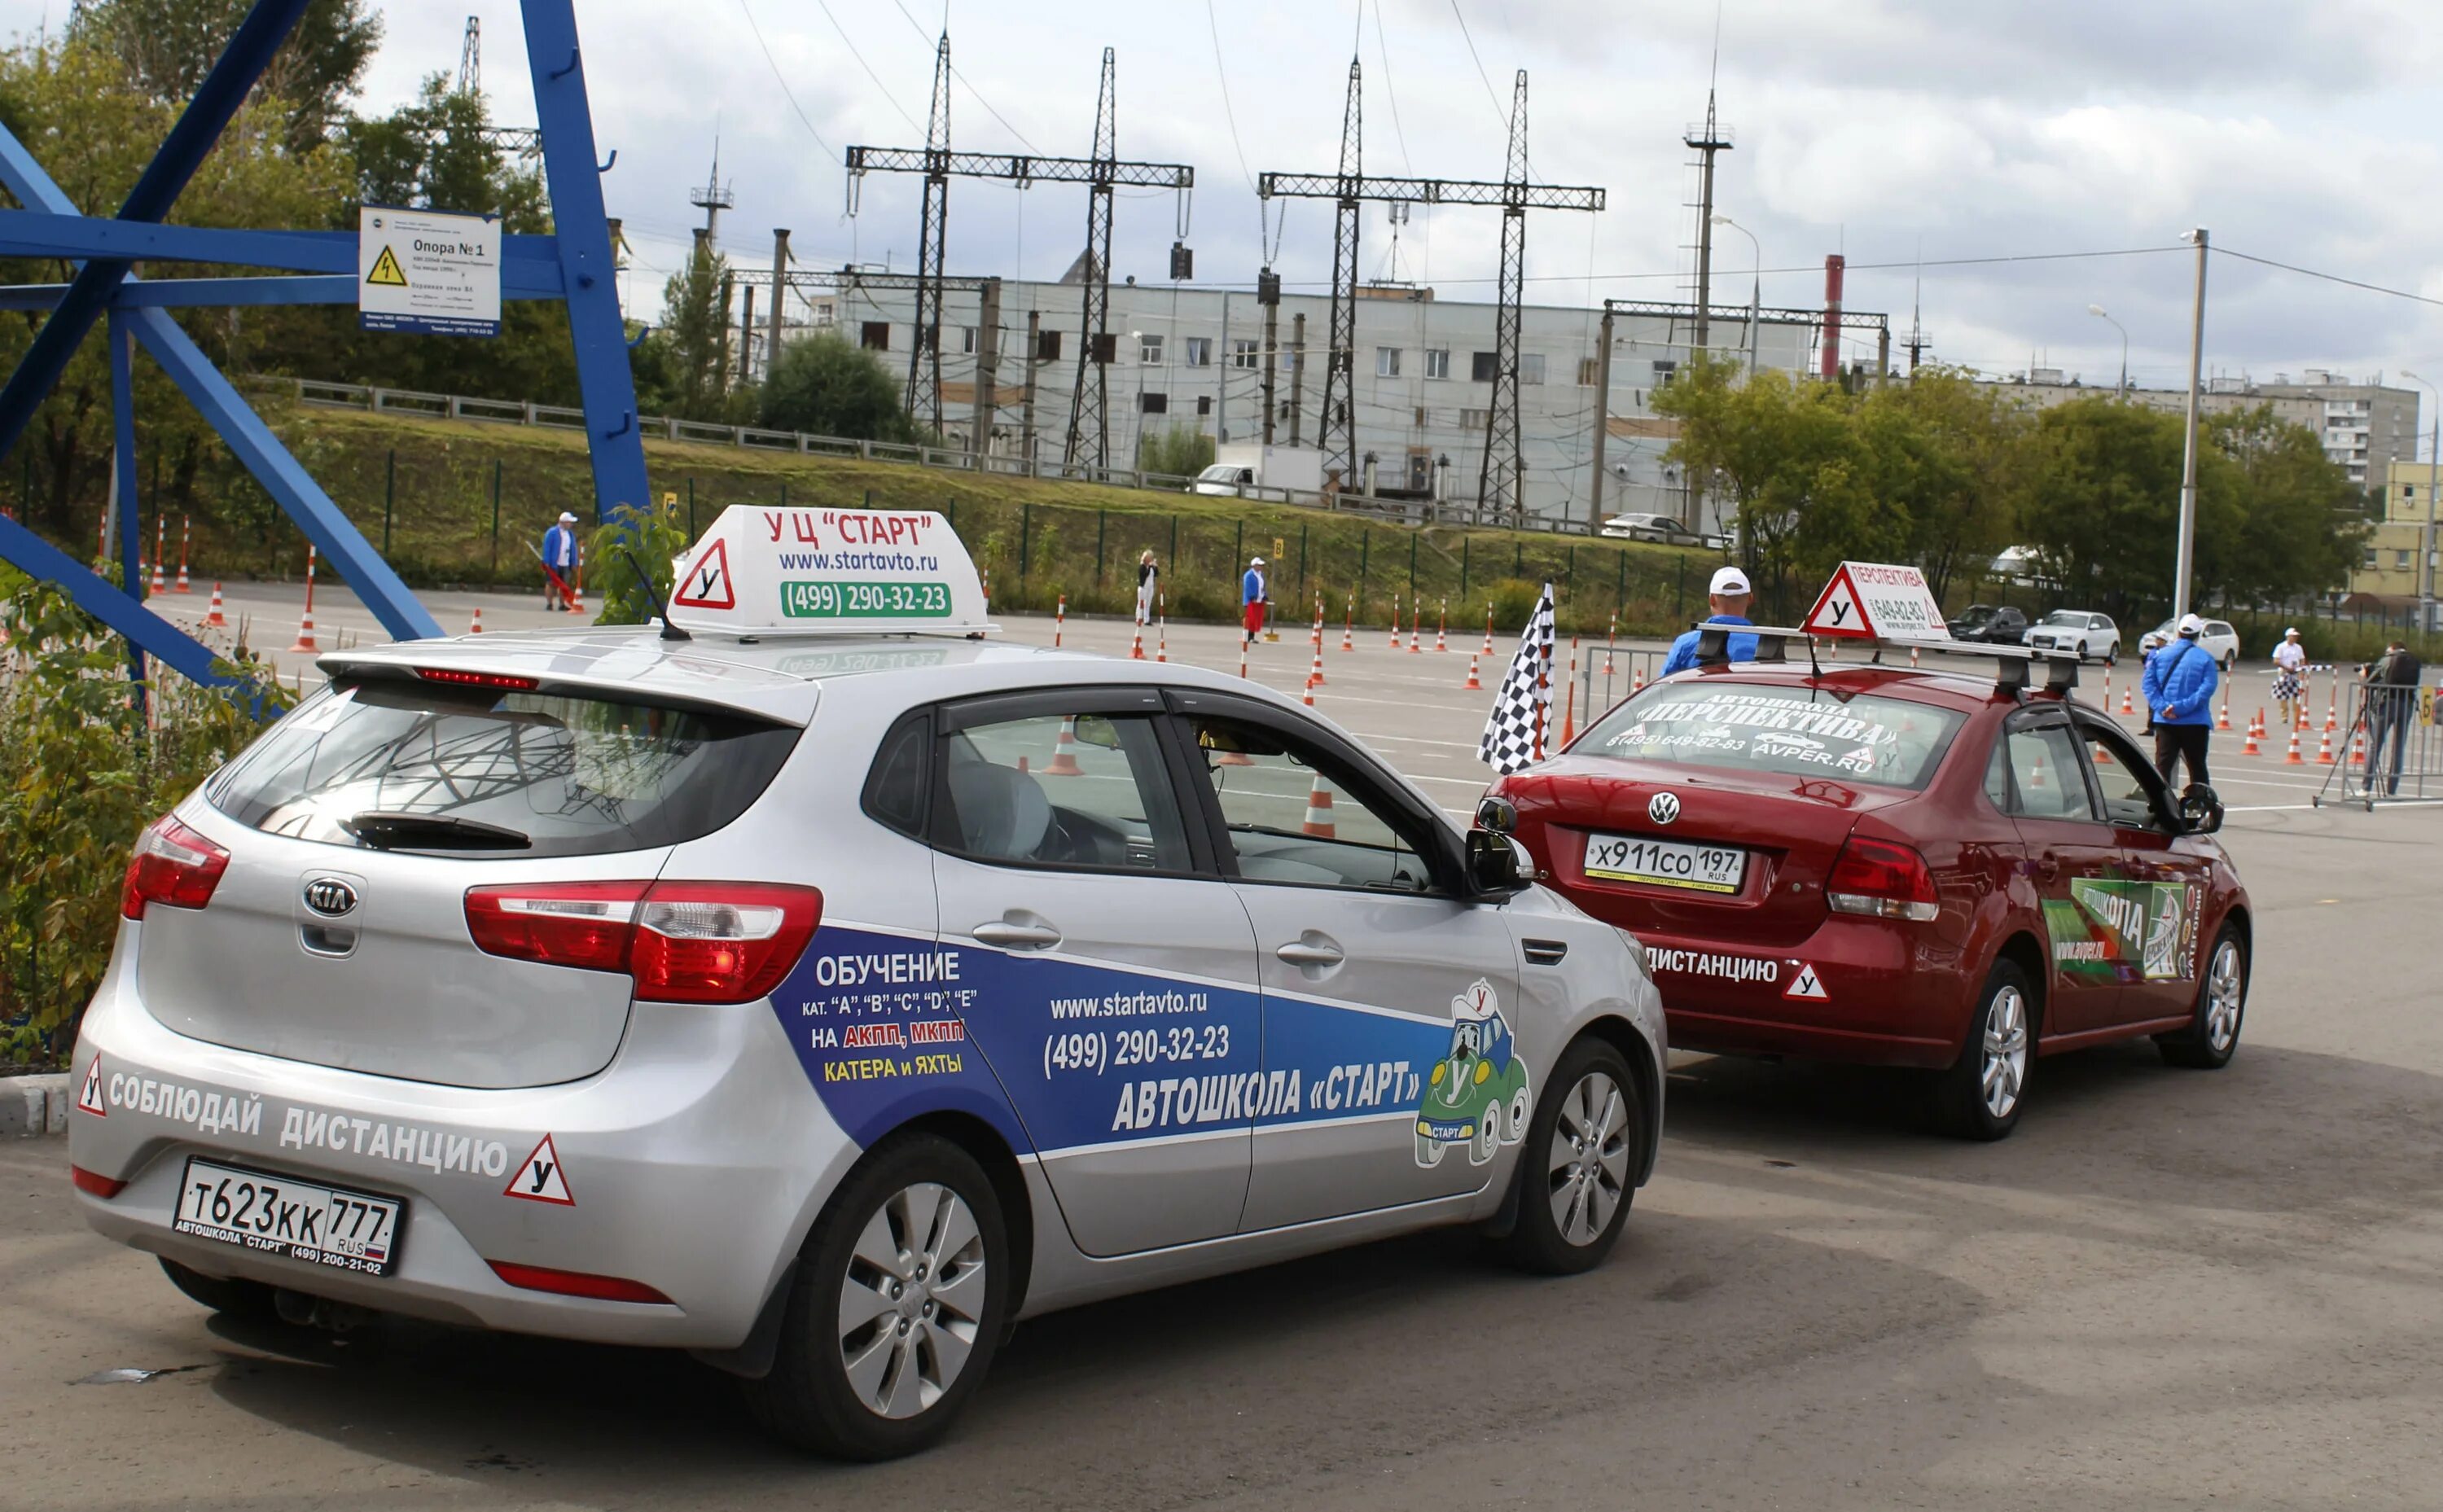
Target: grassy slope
x,y
1035,539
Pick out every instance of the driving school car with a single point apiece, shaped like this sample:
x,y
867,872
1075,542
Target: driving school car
x,y
1947,870
824,1003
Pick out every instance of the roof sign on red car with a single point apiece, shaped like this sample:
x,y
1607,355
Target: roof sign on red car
x,y
1877,601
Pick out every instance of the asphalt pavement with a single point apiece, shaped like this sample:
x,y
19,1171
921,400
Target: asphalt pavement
x,y
2168,1289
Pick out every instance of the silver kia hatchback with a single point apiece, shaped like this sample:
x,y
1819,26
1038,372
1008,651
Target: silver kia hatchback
x,y
824,1006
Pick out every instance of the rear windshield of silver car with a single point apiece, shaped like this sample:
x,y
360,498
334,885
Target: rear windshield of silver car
x,y
397,765
1798,732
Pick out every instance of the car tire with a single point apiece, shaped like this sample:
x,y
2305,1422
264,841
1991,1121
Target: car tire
x,y
1981,1095
236,1297
917,1209
1578,1164
2112,654
2213,1035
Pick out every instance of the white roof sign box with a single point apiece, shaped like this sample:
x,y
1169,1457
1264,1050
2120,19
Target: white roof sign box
x,y
1874,600
829,572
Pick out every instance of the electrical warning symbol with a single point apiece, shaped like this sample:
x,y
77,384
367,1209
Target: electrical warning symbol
x,y
386,271
540,1178
708,583
90,1098
1806,985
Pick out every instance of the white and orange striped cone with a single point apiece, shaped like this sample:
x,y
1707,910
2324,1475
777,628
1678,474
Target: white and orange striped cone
x,y
2333,703
2248,747
1060,620
186,538
577,589
1314,673
1442,627
1637,681
1306,696
1136,643
1318,812
2128,702
1471,684
2036,773
1610,635
2325,748
477,629
1064,753
1348,627
2358,746
160,549
1416,636
213,616
2294,759
1395,622
305,624
1488,632
1162,632
2222,716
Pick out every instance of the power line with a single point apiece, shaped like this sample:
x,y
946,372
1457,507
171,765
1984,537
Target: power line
x,y
2329,278
1227,113
867,66
1498,111
779,79
1383,46
972,90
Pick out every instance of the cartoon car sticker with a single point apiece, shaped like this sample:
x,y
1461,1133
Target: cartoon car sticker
x,y
1475,1095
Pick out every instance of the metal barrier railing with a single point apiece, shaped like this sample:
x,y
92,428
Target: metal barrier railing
x,y
2394,752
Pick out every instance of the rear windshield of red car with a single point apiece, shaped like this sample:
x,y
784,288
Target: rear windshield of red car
x,y
1797,732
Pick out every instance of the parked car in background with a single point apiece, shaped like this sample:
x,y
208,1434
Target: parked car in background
x,y
1660,528
1245,470
2219,638
2082,630
1993,624
2017,564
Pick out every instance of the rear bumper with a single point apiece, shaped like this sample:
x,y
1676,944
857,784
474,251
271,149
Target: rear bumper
x,y
693,1164
1858,989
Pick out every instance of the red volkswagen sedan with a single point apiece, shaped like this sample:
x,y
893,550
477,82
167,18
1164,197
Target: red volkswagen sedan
x,y
1935,868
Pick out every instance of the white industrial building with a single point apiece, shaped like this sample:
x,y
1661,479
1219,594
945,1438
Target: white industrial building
x,y
1194,357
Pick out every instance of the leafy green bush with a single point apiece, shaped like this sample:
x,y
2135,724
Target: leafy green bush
x,y
651,539
91,759
1180,451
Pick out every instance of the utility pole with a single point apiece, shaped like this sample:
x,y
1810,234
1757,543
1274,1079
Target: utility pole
x,y
1705,141
471,59
2189,454
986,404
1298,374
1268,294
1034,350
1918,340
1099,173
713,197
1349,188
746,338
1603,421
779,291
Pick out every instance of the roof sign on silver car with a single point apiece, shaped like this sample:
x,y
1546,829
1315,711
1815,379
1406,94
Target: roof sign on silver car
x,y
829,572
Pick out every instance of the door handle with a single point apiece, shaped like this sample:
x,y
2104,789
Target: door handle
x,y
1311,953
1017,937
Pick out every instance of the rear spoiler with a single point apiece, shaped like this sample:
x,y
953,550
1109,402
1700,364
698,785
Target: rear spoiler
x,y
2012,672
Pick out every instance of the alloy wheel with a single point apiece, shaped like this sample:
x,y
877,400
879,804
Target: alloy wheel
x,y
2223,986
2005,1068
912,1300
1587,1163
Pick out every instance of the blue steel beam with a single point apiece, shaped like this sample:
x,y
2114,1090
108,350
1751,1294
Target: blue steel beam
x,y
526,261
100,597
243,431
197,294
594,327
198,127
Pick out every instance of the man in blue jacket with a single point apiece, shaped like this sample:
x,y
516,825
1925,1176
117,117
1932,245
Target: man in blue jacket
x,y
1728,596
2179,689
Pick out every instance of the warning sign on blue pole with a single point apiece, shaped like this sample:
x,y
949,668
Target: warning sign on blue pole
x,y
427,272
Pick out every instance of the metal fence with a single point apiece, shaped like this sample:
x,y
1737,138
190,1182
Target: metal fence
x,y
2394,753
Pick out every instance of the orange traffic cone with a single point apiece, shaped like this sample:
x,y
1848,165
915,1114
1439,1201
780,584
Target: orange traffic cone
x,y
215,618
1136,646
1442,627
1349,626
2036,773
1637,681
1471,683
1488,632
1415,636
186,537
305,624
1318,812
1064,753
2128,702
1395,622
2358,746
2249,746
1569,714
2294,759
2324,750
2333,704
477,629
1060,620
1315,675
2222,716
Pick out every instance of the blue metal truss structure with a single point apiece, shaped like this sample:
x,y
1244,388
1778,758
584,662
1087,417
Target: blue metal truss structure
x,y
317,267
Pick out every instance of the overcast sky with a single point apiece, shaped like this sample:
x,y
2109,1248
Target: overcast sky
x,y
1875,128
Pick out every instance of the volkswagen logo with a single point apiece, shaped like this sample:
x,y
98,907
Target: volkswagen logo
x,y
1663,809
330,897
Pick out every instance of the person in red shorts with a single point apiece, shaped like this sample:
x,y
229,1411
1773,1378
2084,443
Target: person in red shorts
x,y
1251,594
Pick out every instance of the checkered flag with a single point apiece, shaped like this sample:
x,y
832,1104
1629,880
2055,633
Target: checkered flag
x,y
1513,731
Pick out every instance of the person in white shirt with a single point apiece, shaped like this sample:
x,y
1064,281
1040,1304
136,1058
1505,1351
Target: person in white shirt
x,y
2289,693
1148,577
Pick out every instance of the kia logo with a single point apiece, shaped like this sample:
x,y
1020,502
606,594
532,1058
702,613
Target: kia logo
x,y
330,897
1663,807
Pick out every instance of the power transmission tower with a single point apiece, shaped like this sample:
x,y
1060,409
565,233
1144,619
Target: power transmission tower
x,y
1502,481
925,362
1099,173
1918,340
714,196
1705,141
470,58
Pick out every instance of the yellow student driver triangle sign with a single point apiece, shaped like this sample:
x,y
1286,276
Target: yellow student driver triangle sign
x,y
386,271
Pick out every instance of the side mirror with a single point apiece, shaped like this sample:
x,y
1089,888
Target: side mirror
x,y
2201,809
1498,815
1497,865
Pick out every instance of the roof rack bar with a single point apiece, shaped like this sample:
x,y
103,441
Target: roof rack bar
x,y
2013,672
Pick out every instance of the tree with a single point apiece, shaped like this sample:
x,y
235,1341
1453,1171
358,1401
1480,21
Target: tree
x,y
1969,460
825,384
1180,451
169,46
2104,513
2300,525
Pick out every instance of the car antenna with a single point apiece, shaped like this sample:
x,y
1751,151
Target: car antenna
x,y
670,632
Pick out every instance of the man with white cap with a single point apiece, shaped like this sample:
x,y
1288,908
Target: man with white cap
x,y
2289,693
1251,598
2179,687
559,561
1729,596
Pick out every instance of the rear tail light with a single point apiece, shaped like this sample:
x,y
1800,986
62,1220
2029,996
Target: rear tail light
x,y
680,941
506,681
99,1185
1880,880
172,865
576,1284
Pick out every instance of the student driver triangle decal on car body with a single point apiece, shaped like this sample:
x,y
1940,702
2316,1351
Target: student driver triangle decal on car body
x,y
1807,984
541,1180
89,1098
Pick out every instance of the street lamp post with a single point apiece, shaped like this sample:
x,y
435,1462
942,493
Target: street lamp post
x,y
2188,545
1756,293
2426,538
2097,310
